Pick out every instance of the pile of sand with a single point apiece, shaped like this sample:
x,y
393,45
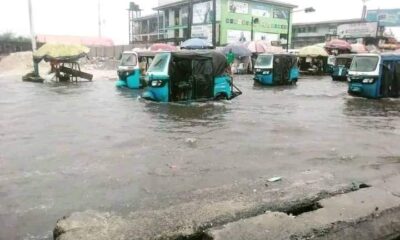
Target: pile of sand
x,y
20,63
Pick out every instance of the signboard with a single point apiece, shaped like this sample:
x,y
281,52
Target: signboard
x,y
269,37
202,31
281,13
203,13
261,11
357,30
385,17
238,7
238,36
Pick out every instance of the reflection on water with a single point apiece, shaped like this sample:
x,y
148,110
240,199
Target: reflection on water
x,y
372,108
72,147
381,114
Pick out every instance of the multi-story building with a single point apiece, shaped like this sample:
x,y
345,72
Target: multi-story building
x,y
306,34
236,20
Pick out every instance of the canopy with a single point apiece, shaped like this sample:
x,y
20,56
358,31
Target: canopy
x,y
162,47
238,49
196,43
313,51
338,44
358,48
218,59
60,52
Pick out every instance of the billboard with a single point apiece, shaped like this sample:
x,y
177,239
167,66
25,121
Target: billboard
x,y
203,13
269,37
203,32
234,36
238,7
357,30
261,11
385,17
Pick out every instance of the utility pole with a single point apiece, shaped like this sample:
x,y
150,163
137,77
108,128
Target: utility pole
x,y
364,10
99,16
33,38
190,19
288,30
214,23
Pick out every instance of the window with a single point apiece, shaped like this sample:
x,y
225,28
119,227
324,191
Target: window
x,y
364,63
128,59
160,63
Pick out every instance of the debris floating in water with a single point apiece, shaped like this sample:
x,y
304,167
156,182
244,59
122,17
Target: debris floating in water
x,y
275,179
191,141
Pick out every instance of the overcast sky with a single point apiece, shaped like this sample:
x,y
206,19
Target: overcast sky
x,y
79,17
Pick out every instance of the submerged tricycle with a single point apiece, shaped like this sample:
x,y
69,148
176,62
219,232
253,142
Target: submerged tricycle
x,y
189,76
341,67
375,75
276,69
132,69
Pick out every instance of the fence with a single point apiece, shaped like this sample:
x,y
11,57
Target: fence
x,y
113,52
7,47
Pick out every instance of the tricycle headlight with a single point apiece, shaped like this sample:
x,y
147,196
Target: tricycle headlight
x,y
368,80
266,72
156,83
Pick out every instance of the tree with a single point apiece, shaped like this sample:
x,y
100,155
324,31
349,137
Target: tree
x,y
12,37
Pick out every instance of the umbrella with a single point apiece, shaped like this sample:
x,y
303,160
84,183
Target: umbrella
x,y
257,46
162,47
196,43
238,49
338,44
313,51
60,52
372,49
358,48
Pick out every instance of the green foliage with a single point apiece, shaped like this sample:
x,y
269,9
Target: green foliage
x,y
12,37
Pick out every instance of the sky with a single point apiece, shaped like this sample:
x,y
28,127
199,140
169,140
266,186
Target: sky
x,y
80,17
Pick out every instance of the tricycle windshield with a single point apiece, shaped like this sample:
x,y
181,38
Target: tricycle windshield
x,y
264,61
343,62
160,63
364,63
129,59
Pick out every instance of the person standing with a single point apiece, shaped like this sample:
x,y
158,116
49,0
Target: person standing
x,y
230,57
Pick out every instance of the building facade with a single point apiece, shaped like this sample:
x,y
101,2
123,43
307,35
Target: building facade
x,y
306,34
236,20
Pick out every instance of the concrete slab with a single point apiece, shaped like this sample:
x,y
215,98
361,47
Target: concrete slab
x,y
370,213
204,209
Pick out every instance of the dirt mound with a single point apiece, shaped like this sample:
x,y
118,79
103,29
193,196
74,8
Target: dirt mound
x,y
19,63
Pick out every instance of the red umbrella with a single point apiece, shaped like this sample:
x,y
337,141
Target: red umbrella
x,y
162,47
338,44
257,46
358,48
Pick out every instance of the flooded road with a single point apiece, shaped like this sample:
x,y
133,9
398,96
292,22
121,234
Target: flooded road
x,y
67,148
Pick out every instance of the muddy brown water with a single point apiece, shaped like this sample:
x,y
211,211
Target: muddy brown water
x,y
67,148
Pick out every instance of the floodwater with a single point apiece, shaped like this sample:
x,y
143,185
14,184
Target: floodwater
x,y
67,148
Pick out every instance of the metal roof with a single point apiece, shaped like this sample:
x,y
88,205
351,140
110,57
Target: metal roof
x,y
344,21
185,2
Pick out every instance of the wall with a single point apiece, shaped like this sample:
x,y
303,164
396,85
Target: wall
x,y
111,52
